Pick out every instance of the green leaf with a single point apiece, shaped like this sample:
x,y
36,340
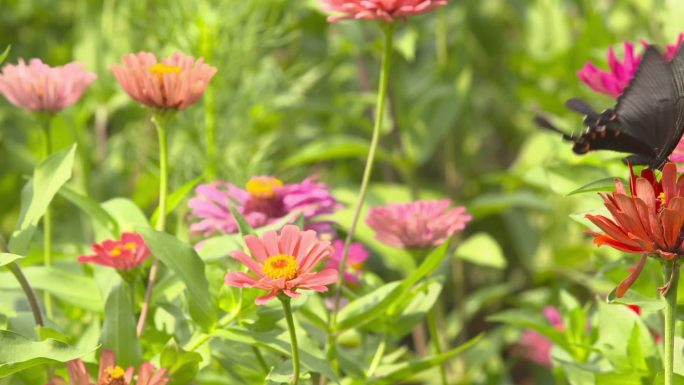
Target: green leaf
x,y
5,53
418,302
660,379
606,184
176,197
219,247
632,297
428,266
7,258
118,330
366,308
531,320
482,249
126,213
48,178
183,260
92,209
243,225
396,374
331,148
182,365
18,353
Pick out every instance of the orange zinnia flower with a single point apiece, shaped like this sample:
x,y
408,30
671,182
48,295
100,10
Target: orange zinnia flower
x,y
648,220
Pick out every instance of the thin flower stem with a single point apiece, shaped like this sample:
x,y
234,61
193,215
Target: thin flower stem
x,y
159,121
223,322
287,308
671,270
377,357
260,359
210,123
28,291
47,217
375,139
434,335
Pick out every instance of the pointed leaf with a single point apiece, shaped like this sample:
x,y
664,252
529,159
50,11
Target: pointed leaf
x,y
118,330
176,197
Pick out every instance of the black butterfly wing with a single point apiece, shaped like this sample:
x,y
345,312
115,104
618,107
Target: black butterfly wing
x,y
677,68
647,111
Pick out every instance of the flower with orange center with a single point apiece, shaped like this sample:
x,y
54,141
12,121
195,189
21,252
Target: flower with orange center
x,y
124,254
648,220
283,263
263,186
175,83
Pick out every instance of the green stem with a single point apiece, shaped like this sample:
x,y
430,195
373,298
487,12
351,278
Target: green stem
x,y
441,34
28,291
47,217
260,359
434,335
210,123
223,322
671,270
287,308
159,120
375,139
377,357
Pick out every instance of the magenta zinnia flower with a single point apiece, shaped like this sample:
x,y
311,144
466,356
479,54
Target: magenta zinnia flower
x,y
283,263
110,373
174,83
41,88
357,256
265,200
417,225
385,10
536,347
125,254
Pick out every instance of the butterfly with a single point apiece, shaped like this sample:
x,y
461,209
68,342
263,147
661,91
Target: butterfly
x,y
648,119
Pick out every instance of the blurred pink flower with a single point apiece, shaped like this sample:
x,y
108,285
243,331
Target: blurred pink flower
x,y
283,263
536,347
174,83
125,254
39,87
265,200
416,225
357,256
385,10
110,373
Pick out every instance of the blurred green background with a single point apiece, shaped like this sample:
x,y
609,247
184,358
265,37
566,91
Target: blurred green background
x,y
293,97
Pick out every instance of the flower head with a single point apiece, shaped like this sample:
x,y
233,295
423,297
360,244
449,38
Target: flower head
x,y
110,373
417,225
283,263
124,254
357,256
384,10
39,87
264,200
175,83
648,220
536,347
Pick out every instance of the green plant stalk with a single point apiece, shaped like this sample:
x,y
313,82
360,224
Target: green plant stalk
x,y
287,309
388,29
377,357
210,123
159,120
28,291
47,217
434,335
671,270
223,322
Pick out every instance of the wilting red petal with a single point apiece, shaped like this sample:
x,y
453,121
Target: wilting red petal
x,y
629,281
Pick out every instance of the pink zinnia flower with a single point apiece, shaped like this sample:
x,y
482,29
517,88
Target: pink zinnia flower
x,y
417,225
125,254
112,374
385,10
265,200
357,256
283,263
174,83
536,347
39,87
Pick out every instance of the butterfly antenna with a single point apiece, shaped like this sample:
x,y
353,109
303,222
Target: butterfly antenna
x,y
545,123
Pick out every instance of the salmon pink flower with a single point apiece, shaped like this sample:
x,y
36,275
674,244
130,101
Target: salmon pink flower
x,y
417,225
264,201
125,254
110,373
40,88
648,220
535,346
175,83
283,263
357,256
384,10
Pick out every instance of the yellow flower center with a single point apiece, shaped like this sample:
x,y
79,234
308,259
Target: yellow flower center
x,y
280,266
661,197
115,372
263,187
130,246
160,69
116,251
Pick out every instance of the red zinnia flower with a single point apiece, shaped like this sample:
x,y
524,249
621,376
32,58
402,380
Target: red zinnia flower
x,y
385,10
648,220
125,254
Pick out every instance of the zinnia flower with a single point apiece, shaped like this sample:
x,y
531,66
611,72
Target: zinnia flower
x,y
536,347
620,73
647,221
174,83
265,200
357,256
112,374
417,225
385,10
283,263
41,88
125,254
